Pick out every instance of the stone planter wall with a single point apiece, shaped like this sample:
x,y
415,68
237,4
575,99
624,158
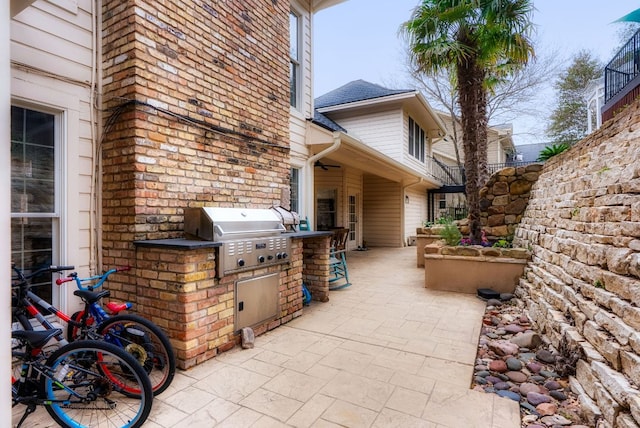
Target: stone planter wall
x,y
465,269
582,287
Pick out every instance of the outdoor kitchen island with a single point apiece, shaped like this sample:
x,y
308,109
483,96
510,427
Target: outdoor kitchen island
x,y
179,287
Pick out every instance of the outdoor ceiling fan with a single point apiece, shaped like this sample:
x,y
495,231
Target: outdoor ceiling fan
x,y
325,166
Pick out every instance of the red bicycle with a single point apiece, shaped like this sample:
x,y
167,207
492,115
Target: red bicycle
x,y
139,337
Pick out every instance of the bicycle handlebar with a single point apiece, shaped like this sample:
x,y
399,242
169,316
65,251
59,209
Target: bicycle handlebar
x,y
98,278
51,268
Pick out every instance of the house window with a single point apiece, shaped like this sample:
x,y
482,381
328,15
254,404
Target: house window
x,y
353,217
34,218
294,54
294,184
416,140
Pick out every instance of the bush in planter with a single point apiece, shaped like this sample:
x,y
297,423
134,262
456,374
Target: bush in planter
x,y
451,234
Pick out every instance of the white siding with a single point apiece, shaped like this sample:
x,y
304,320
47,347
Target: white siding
x,y
380,130
54,44
298,117
382,213
415,211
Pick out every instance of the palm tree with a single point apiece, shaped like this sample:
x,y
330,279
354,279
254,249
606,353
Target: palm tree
x,y
480,42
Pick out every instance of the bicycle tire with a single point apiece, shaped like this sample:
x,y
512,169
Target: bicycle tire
x,y
100,373
150,346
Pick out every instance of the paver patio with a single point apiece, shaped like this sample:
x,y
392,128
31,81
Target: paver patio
x,y
384,352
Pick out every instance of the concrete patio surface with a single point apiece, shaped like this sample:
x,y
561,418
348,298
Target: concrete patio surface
x,y
384,352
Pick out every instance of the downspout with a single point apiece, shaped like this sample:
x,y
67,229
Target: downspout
x,y
402,210
309,177
93,221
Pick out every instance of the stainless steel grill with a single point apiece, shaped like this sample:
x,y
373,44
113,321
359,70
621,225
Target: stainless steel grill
x,y
250,238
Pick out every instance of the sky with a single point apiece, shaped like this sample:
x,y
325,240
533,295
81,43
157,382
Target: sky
x,y
359,39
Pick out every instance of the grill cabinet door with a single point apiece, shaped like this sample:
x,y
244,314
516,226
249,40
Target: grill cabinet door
x,y
256,300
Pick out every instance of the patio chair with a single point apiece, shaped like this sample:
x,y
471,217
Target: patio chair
x,y
338,271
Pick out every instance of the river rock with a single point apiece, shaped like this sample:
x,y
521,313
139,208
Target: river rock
x,y
501,386
558,395
516,376
513,328
536,398
493,379
545,356
498,366
503,347
527,340
534,367
555,420
514,364
527,387
552,385
508,394
546,409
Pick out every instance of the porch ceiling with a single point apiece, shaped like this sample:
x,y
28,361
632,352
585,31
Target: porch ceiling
x,y
354,154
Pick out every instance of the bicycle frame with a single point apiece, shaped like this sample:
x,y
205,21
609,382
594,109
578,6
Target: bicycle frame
x,y
28,298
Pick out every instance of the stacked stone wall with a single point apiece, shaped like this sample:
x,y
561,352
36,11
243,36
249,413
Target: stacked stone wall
x,y
504,198
582,287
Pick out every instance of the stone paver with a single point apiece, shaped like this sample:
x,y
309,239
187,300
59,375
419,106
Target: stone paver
x,y
385,352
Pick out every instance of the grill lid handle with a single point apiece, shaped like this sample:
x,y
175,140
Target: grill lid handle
x,y
221,232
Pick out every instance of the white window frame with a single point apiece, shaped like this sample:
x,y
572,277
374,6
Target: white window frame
x,y
298,188
57,232
295,64
416,147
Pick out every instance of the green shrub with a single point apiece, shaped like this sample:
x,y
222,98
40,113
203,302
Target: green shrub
x,y
451,234
551,151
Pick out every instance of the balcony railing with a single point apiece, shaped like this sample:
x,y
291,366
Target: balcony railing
x,y
454,175
621,77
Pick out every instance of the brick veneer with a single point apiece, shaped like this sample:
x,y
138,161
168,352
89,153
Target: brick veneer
x,y
582,287
197,112
196,100
178,289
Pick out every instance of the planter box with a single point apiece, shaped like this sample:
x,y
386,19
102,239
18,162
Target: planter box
x,y
465,274
421,242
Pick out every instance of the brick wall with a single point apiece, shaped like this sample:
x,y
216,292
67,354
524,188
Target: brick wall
x,y
582,287
177,289
196,102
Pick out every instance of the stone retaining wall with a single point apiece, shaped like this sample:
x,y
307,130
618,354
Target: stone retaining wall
x,y
504,198
582,287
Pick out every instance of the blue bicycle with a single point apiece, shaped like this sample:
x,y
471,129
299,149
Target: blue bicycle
x,y
141,338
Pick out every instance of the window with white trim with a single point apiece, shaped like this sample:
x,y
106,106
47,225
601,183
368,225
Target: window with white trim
x,y
294,183
34,179
416,140
294,55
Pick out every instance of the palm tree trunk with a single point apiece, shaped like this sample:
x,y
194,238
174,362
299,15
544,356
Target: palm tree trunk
x,y
473,108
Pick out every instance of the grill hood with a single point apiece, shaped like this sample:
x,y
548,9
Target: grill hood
x,y
223,224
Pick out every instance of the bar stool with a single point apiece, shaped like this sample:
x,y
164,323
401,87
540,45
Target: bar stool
x,y
338,271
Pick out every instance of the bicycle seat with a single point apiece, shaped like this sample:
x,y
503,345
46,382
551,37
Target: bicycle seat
x,y
36,339
91,296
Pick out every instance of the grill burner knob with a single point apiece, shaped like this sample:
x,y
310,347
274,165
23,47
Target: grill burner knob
x,y
241,262
285,255
260,259
279,256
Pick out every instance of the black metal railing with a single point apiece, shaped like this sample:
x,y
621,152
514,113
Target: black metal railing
x,y
495,167
623,68
446,174
454,175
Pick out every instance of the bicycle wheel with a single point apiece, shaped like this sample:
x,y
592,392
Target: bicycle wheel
x,y
88,383
146,342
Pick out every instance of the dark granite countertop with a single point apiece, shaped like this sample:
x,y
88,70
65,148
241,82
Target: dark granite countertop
x,y
191,244
188,244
